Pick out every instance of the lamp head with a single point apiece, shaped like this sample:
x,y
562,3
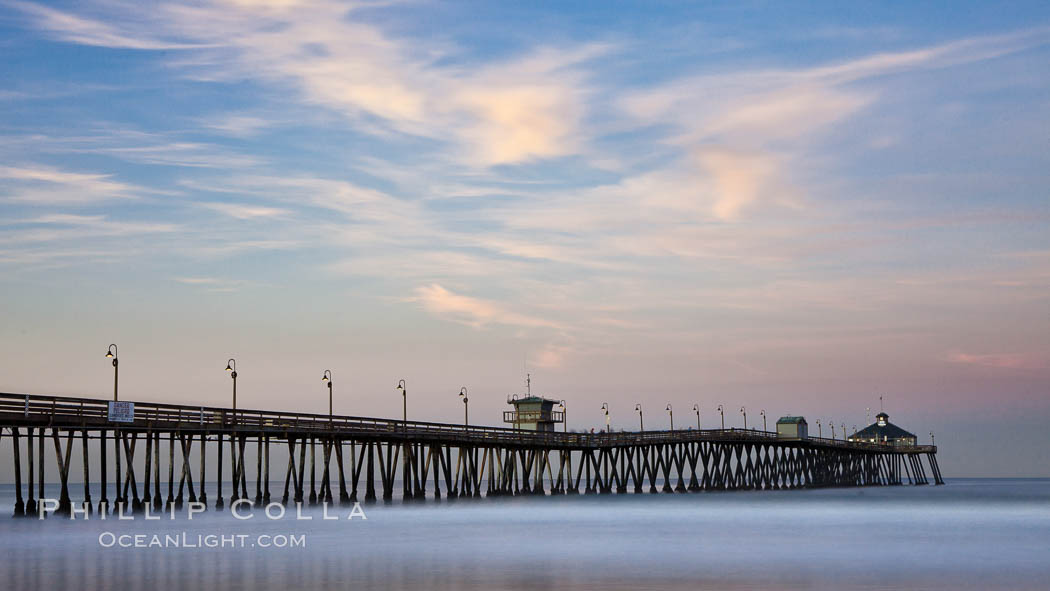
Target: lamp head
x,y
401,386
696,407
327,377
638,407
668,409
111,353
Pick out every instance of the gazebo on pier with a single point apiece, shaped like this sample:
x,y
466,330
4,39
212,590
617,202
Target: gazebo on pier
x,y
883,431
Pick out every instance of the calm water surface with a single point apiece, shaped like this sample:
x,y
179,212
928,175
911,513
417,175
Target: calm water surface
x,y
970,534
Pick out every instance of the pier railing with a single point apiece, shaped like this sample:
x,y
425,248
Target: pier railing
x,y
70,411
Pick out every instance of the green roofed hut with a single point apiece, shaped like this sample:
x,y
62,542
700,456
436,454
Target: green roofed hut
x,y
883,431
792,428
533,413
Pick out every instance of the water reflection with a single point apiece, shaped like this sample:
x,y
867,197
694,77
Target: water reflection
x,y
978,534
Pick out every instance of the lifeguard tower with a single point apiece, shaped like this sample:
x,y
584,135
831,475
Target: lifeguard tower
x,y
533,413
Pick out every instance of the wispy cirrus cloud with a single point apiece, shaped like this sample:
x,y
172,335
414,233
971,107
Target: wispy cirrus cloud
x,y
67,26
71,227
131,145
775,102
56,240
213,284
507,112
39,258
246,212
775,115
555,342
189,154
475,312
48,185
237,125
999,360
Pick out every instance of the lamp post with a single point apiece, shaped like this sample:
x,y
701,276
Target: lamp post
x,y
112,354
933,441
231,366
605,407
641,423
722,413
763,413
327,379
564,417
820,432
843,425
832,423
466,405
670,413
743,411
696,409
404,404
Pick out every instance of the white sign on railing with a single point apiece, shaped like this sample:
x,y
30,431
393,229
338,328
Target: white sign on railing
x,y
122,412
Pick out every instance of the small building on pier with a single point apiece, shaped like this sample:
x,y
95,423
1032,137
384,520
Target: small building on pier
x,y
533,413
883,431
792,428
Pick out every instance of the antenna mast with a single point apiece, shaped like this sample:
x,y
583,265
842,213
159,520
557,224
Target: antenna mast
x,y
528,378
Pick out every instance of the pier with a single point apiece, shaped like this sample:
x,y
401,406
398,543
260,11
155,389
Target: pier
x,y
160,458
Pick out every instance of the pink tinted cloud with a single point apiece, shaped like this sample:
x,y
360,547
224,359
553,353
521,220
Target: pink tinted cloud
x,y
471,311
999,360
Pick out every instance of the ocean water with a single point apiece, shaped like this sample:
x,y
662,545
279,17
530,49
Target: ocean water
x,y
969,534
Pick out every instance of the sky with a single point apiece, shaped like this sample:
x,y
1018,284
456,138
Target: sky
x,y
789,208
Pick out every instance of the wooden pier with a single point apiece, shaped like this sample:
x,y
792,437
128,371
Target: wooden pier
x,y
360,458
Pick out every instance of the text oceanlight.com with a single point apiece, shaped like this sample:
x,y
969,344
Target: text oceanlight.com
x,y
183,540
